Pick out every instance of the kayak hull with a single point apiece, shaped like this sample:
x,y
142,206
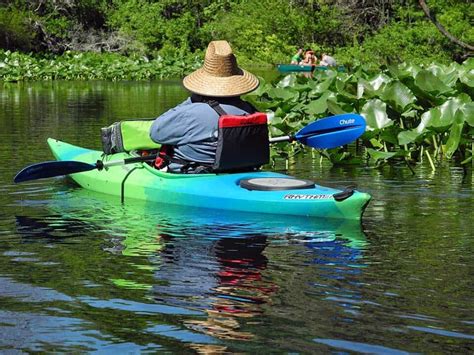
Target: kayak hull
x,y
217,191
286,68
295,68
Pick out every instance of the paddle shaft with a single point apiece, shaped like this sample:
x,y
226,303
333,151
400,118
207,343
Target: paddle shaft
x,y
282,139
325,133
107,164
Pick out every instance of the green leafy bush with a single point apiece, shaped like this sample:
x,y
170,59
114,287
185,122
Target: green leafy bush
x,y
15,66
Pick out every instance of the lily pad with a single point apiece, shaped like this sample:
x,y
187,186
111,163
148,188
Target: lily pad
x,y
375,114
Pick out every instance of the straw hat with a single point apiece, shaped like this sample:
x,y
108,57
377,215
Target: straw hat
x,y
220,76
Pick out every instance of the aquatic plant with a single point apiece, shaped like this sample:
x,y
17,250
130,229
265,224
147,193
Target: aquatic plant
x,y
411,111
16,66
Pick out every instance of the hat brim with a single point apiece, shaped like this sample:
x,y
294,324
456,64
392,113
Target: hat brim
x,y
202,83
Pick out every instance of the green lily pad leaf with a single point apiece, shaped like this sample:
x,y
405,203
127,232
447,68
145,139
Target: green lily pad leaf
x,y
287,81
380,155
448,111
301,87
275,132
467,78
407,137
410,113
379,81
323,86
282,94
442,116
346,89
454,138
376,143
375,114
278,115
468,111
428,118
389,134
334,107
427,81
447,74
468,63
403,71
398,95
318,106
263,105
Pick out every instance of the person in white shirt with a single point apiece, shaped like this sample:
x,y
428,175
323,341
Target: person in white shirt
x,y
327,60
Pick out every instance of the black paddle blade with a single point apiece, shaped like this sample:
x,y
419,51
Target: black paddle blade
x,y
50,169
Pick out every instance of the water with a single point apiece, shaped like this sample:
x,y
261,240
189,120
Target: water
x,y
80,272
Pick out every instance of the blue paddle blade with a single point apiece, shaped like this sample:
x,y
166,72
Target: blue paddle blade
x,y
51,168
331,132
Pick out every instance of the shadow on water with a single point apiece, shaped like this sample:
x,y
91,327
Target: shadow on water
x,y
157,277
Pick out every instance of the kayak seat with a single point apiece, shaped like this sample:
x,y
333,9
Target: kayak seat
x,y
242,143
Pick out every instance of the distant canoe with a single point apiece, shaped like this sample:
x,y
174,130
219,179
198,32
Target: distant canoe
x,y
294,67
304,68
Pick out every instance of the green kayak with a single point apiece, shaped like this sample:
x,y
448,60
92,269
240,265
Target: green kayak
x,y
254,192
286,68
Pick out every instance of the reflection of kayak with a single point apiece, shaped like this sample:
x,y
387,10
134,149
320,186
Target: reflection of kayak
x,y
218,191
304,68
143,226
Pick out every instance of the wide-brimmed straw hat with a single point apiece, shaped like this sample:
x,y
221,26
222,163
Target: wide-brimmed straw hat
x,y
220,75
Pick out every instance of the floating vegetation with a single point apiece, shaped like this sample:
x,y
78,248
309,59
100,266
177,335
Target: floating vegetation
x,y
16,66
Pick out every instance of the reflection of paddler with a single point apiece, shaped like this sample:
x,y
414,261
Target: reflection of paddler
x,y
241,289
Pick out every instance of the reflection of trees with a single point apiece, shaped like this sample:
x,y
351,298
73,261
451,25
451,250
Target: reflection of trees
x,y
76,110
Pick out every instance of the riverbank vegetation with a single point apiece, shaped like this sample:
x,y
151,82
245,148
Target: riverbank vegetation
x,y
260,31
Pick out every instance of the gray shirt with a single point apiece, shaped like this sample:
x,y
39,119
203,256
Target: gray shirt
x,y
328,61
192,128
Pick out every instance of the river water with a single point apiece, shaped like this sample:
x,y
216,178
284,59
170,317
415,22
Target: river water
x,y
79,272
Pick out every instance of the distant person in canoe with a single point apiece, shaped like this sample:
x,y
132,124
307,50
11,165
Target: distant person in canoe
x,y
214,130
327,61
309,58
298,57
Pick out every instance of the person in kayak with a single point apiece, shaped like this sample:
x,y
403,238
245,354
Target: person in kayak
x,y
191,128
309,58
327,61
298,57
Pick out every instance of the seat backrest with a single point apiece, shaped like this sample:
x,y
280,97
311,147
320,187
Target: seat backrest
x,y
242,142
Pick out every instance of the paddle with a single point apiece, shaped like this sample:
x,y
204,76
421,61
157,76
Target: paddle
x,y
329,132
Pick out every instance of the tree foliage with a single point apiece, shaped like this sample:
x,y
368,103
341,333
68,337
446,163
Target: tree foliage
x,y
266,31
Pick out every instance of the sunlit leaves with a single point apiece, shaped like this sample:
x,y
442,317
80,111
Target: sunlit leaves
x,y
375,114
455,134
318,106
429,82
406,107
398,95
468,112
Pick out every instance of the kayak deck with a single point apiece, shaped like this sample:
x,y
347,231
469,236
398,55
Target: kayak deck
x,y
217,191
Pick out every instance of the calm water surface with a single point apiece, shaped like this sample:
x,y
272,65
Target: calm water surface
x,y
79,272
